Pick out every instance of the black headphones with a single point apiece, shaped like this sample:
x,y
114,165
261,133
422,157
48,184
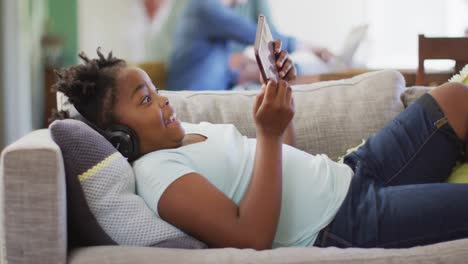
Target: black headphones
x,y
123,138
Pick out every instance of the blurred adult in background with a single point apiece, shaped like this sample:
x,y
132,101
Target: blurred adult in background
x,y
152,7
202,46
165,14
164,17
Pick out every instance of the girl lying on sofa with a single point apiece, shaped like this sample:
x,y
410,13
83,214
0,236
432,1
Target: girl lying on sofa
x,y
232,191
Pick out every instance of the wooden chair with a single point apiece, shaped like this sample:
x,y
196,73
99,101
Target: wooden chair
x,y
441,48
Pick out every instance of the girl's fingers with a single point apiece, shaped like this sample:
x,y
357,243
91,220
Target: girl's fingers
x,y
291,74
277,46
270,91
258,101
285,69
282,90
283,56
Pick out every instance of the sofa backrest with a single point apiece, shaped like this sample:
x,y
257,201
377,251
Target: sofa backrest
x,y
330,116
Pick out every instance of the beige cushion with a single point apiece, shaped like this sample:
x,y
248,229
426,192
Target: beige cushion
x,y
330,116
447,252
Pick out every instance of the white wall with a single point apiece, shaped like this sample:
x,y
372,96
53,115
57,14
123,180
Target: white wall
x,y
113,25
394,25
321,22
457,16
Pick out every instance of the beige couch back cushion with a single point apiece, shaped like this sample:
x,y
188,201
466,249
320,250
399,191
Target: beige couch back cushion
x,y
330,116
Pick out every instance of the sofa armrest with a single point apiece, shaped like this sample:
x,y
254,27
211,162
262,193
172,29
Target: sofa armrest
x,y
33,201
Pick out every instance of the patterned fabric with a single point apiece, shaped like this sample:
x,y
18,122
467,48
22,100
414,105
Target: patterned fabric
x,y
103,208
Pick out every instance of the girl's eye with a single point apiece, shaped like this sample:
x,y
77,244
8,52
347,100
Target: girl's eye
x,y
146,99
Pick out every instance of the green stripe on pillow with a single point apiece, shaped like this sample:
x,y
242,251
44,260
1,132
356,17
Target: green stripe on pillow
x,y
98,167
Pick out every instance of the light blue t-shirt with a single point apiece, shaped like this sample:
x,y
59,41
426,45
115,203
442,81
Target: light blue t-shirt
x,y
314,187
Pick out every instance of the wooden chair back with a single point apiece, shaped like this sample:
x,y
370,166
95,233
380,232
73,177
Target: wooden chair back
x,y
441,48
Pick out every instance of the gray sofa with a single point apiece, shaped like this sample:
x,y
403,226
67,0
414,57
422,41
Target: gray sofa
x,y
330,118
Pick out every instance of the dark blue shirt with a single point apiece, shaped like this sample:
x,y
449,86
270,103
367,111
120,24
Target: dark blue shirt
x,y
199,60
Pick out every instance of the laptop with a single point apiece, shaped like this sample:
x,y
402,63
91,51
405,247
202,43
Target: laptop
x,y
310,64
351,44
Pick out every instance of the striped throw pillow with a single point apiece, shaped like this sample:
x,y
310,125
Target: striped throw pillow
x,y
103,208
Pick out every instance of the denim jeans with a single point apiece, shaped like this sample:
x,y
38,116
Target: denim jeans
x,y
397,197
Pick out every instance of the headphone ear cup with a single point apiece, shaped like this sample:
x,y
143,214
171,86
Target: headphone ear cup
x,y
124,139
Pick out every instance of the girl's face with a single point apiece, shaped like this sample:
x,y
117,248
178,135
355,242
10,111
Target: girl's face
x,y
150,115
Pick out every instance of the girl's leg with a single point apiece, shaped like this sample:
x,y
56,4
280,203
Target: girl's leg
x,y
453,99
419,145
401,217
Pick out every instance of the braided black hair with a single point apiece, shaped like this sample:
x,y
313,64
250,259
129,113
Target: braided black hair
x,y
90,87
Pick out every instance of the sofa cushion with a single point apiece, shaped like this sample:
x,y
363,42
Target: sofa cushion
x,y
412,93
446,252
330,116
103,208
